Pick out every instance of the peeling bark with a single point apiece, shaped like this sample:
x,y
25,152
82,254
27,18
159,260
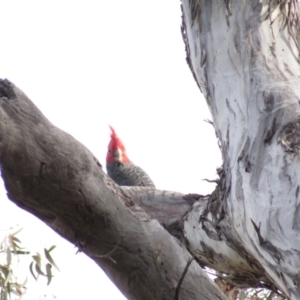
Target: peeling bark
x,y
245,57
51,175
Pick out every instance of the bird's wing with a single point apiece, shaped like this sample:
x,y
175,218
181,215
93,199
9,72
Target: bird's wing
x,y
144,177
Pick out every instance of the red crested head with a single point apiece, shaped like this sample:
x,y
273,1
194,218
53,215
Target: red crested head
x,y
116,150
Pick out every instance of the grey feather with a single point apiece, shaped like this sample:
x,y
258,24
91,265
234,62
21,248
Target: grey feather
x,y
128,174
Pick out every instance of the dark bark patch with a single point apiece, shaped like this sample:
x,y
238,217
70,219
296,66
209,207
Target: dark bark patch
x,y
296,219
270,134
192,198
195,10
289,137
245,150
269,100
97,162
229,107
6,89
228,11
208,252
245,157
176,229
248,165
296,279
208,227
267,245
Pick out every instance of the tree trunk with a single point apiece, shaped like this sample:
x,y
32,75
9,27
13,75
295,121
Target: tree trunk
x,y
152,244
245,58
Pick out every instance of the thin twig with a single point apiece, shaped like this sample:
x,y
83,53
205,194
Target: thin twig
x,y
211,180
182,277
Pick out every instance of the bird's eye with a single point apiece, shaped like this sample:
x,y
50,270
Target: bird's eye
x,y
109,150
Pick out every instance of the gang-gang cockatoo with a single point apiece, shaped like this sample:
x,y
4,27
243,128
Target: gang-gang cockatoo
x,y
120,168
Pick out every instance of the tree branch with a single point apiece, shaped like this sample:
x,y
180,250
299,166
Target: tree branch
x,y
51,175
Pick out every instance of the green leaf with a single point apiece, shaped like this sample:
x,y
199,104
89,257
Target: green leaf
x,y
21,252
51,248
38,270
13,242
9,288
16,292
31,270
4,270
49,273
11,247
17,231
16,239
24,283
16,289
50,259
8,256
37,258
7,278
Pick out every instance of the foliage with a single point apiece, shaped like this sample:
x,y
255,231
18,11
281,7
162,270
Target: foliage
x,y
11,252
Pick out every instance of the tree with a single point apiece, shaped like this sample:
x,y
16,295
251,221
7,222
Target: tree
x,y
246,230
244,56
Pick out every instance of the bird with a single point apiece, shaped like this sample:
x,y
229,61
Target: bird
x,y
120,169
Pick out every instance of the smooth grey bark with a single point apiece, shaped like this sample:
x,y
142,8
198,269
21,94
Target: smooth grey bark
x,y
51,175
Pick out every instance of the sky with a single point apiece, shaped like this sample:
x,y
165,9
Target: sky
x,y
90,64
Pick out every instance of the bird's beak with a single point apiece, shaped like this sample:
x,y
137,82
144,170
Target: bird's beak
x,y
118,155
